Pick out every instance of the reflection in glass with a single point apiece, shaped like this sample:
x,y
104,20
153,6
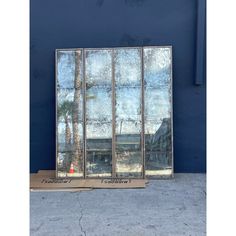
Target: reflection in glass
x,y
128,112
157,98
98,64
113,97
69,114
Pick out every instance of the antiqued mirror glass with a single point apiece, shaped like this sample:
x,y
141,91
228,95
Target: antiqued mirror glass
x,y
70,160
158,111
98,66
128,99
114,112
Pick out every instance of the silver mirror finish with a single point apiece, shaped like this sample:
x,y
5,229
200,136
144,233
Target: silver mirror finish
x,y
114,112
128,100
158,111
98,74
70,161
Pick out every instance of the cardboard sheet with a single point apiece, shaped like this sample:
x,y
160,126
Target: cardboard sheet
x,y
45,179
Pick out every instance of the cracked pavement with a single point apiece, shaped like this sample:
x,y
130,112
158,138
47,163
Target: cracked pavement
x,y
174,207
81,215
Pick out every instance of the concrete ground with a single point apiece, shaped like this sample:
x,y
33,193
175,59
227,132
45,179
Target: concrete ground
x,y
164,208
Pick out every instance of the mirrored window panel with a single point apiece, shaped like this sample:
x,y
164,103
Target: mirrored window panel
x,y
158,111
127,65
69,113
114,112
98,74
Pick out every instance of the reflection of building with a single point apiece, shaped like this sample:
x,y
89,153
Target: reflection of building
x,y
158,146
161,140
110,108
157,156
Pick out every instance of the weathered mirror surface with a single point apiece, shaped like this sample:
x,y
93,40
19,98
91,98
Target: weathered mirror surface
x,y
98,65
114,112
158,111
69,113
128,100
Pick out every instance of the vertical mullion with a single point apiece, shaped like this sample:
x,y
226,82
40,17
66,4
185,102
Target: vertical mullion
x,y
171,117
84,113
56,101
142,114
113,119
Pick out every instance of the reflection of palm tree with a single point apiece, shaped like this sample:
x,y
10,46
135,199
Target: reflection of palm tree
x,y
65,111
77,155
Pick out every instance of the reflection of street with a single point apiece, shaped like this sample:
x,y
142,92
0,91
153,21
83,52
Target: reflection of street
x,y
65,174
162,172
64,161
157,159
129,163
128,154
99,162
89,103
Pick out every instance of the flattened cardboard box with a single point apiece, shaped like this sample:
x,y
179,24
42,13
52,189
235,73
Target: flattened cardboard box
x,y
47,180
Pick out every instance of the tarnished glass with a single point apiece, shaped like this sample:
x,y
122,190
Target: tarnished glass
x,y
157,113
128,122
98,74
114,112
69,114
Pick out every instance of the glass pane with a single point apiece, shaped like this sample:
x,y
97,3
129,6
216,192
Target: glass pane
x,y
157,97
99,112
69,114
128,112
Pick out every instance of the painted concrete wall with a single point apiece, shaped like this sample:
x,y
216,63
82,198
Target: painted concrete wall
x,y
109,23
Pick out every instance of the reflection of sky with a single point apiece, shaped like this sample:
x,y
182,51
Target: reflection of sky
x,y
157,59
99,97
157,80
62,129
128,91
99,130
127,67
99,104
64,95
157,76
128,103
157,104
66,69
98,66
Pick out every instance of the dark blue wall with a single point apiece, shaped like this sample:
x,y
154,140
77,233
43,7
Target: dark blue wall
x,y
107,23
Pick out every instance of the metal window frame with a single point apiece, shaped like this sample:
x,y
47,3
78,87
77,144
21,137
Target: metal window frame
x,y
113,174
142,134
